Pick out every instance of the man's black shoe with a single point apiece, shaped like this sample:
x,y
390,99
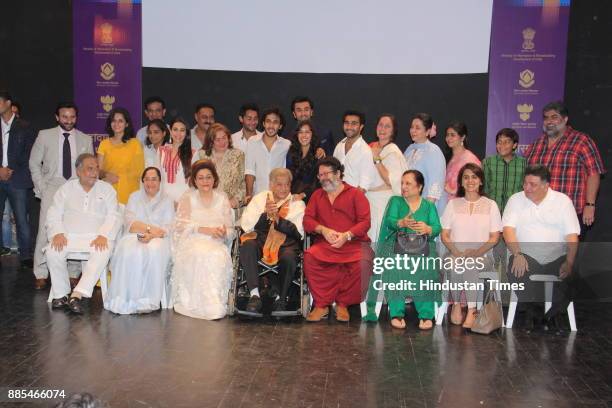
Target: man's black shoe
x,y
279,305
74,304
254,305
60,303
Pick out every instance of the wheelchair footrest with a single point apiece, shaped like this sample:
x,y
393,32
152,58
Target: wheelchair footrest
x,y
250,314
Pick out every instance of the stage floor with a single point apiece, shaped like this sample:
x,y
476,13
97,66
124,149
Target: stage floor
x,y
168,360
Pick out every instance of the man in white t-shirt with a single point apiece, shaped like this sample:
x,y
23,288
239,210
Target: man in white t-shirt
x,y
541,230
155,108
355,154
249,118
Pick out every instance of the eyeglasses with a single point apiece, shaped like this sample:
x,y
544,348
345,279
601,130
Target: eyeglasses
x,y
326,174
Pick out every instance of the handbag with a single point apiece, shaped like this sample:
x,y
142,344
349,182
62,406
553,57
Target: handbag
x,y
490,317
411,244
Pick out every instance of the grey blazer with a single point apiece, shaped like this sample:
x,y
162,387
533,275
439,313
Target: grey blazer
x,y
45,155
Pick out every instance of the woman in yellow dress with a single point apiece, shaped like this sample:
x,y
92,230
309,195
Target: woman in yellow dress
x,y
120,156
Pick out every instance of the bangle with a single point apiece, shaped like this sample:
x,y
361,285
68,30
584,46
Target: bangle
x,y
377,160
148,229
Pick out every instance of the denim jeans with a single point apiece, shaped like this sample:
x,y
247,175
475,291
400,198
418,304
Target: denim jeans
x,y
18,199
7,227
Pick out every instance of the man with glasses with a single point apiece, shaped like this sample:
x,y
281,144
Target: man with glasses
x,y
155,108
573,160
339,262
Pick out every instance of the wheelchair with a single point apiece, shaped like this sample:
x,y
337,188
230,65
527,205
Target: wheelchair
x,y
299,299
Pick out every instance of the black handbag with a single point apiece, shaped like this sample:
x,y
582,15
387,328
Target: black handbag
x,y
411,244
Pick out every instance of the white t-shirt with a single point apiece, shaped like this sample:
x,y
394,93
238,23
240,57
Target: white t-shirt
x,y
541,228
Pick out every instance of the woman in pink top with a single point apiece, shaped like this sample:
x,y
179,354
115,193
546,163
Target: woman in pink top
x,y
456,140
471,226
175,160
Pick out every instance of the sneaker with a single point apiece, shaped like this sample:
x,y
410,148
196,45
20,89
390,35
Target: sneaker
x,y
280,305
4,251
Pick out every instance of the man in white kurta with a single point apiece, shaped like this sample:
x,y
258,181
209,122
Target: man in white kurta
x,y
355,155
82,219
50,168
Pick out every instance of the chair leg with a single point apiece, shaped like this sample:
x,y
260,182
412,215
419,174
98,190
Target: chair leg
x,y
511,310
440,313
572,316
364,308
548,290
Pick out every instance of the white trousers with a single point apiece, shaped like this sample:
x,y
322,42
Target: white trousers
x,y
93,269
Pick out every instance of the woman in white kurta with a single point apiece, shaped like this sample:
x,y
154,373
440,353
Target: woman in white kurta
x,y
202,269
175,160
158,135
390,165
140,264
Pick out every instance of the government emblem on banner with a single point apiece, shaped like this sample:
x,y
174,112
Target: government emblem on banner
x,y
528,36
526,78
107,102
106,31
107,71
524,111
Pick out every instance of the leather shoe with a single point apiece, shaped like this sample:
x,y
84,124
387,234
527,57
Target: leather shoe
x,y
27,263
342,314
254,305
279,306
73,282
317,314
60,303
74,304
40,284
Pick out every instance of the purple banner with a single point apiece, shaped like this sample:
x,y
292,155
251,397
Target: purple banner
x,y
526,65
107,41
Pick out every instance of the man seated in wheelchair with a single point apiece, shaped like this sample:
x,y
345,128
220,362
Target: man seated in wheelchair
x,y
273,231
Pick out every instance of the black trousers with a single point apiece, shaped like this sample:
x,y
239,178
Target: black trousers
x,y
250,254
534,291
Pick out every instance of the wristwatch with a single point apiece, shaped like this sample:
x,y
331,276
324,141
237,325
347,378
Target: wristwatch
x,y
589,204
377,160
349,236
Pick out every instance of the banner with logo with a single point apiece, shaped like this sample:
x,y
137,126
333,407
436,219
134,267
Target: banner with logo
x,y
107,42
526,65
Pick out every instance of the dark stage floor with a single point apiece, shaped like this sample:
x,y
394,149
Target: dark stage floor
x,y
168,360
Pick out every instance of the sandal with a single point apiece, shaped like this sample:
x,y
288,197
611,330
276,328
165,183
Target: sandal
x,y
398,323
456,316
425,324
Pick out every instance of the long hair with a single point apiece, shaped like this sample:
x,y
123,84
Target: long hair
x,y
184,152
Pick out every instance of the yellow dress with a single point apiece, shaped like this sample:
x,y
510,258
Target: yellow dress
x,y
126,160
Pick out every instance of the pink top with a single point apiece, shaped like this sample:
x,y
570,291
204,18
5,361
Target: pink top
x,y
453,167
471,227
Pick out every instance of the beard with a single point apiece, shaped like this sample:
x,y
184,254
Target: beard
x,y
554,130
330,185
68,127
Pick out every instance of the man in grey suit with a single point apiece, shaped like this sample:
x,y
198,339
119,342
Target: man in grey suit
x,y
52,164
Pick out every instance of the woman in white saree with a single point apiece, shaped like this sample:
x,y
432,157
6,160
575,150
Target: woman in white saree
x,y
141,260
390,165
204,226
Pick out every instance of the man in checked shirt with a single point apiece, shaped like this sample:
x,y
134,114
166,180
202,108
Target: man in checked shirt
x,y
573,160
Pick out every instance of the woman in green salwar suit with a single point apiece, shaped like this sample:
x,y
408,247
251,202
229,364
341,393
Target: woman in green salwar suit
x,y
413,214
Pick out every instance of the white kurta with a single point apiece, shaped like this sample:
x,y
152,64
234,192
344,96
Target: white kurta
x,y
240,142
140,270
359,170
202,270
81,216
257,206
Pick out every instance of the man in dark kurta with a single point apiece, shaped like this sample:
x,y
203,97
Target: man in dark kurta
x,y
339,262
